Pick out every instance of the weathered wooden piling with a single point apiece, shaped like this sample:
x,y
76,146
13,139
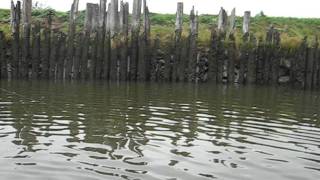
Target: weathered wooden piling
x,y
91,22
114,17
300,65
275,58
178,68
232,56
3,61
78,55
135,30
219,59
192,49
26,26
114,35
316,64
46,51
232,22
231,49
13,66
246,22
107,44
245,49
71,39
222,21
251,75
53,55
101,33
147,43
124,31
36,50
311,65
61,51
213,65
144,49
93,48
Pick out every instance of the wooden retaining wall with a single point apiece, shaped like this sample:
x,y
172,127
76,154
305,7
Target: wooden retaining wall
x,y
109,47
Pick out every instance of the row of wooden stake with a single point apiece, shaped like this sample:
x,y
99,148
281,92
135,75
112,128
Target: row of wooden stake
x,y
112,48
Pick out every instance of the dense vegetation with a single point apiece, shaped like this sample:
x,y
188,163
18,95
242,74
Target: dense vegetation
x,y
292,29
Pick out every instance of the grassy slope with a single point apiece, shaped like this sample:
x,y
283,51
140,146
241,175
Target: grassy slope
x,y
292,29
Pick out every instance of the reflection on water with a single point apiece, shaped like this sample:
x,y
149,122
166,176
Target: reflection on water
x,y
157,131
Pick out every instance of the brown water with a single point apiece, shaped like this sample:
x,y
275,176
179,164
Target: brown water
x,y
75,131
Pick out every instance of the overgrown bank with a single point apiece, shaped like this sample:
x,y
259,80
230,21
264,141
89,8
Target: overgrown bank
x,y
293,30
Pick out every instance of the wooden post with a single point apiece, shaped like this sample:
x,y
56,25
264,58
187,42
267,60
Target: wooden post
x,y
107,58
232,22
260,61
301,64
13,66
316,65
275,58
232,55
135,29
220,57
93,51
101,38
157,58
267,57
310,64
78,56
124,25
178,65
71,39
53,55
36,50
251,75
245,50
62,55
89,27
46,49
213,63
231,49
318,71
114,17
3,63
26,26
114,35
222,21
220,49
144,61
246,22
192,51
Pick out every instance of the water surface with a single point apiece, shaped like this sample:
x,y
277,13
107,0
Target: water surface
x,y
84,131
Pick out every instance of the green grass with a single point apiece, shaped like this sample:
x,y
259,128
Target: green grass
x,y
292,29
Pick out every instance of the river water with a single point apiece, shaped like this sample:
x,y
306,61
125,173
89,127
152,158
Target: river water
x,y
84,131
